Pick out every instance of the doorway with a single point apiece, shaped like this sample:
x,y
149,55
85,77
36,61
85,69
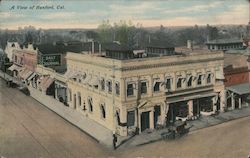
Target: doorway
x,y
157,113
144,121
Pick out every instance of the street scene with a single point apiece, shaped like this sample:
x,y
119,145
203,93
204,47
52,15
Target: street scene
x,y
29,129
124,79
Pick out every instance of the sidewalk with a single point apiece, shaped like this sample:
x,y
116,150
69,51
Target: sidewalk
x,y
93,129
202,122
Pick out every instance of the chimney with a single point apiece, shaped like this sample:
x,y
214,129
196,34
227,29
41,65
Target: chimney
x,y
93,47
189,44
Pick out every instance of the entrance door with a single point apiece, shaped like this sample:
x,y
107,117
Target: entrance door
x,y
157,112
144,121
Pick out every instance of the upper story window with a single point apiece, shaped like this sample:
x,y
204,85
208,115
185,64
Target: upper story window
x,y
143,87
157,85
179,83
168,83
117,88
90,104
79,99
190,81
199,80
130,89
209,77
102,84
109,85
103,111
21,60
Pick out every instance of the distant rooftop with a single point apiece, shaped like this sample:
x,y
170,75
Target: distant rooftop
x,y
225,41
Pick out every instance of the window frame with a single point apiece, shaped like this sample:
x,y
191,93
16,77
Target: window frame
x,y
132,89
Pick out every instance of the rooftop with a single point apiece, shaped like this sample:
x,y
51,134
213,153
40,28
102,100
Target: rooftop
x,y
236,60
225,41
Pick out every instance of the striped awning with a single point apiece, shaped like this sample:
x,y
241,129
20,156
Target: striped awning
x,y
15,67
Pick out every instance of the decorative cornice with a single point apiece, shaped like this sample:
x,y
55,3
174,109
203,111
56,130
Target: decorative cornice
x,y
169,64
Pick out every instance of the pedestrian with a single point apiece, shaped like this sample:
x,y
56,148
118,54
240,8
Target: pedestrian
x,y
114,140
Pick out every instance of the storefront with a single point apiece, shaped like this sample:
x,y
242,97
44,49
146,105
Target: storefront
x,y
238,96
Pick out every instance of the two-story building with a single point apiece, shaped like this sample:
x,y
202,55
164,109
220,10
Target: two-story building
x,y
125,93
225,44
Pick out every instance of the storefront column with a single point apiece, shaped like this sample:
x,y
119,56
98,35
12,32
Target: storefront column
x,y
214,99
151,119
56,91
190,108
163,113
240,105
222,101
233,101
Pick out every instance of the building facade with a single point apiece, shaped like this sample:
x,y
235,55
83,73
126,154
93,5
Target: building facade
x,y
227,44
137,94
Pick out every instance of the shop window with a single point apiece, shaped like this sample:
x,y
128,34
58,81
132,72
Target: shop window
x,y
199,81
179,82
157,87
130,89
103,112
143,87
209,78
190,81
117,88
102,84
90,104
109,85
130,118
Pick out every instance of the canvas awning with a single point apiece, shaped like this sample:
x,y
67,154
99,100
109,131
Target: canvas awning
x,y
25,74
31,76
190,97
15,67
240,88
46,82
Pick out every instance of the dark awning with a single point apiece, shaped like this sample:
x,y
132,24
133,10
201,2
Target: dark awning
x,y
190,97
240,88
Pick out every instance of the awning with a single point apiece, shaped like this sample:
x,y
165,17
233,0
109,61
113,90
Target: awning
x,y
31,76
46,82
219,75
94,81
25,74
190,97
240,88
15,67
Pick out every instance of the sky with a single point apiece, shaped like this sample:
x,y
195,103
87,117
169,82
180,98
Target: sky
x,y
91,13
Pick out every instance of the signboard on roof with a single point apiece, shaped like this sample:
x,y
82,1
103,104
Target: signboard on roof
x,y
51,60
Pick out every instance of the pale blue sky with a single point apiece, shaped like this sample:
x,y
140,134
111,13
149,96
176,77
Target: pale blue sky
x,y
88,14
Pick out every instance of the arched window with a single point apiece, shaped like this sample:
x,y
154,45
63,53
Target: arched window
x,y
199,79
190,80
90,104
103,112
209,78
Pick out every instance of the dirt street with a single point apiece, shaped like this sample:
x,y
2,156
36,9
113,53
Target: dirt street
x,y
30,130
